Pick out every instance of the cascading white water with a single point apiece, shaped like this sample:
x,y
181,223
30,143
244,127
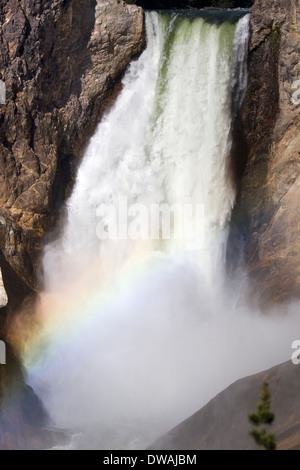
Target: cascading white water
x,y
138,334
166,141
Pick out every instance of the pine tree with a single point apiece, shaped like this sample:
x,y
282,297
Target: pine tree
x,y
263,416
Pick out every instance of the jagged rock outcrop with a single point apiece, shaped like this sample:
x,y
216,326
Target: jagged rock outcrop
x,y
267,153
223,423
61,62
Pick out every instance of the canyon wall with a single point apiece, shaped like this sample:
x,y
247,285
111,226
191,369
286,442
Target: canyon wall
x,y
61,62
266,153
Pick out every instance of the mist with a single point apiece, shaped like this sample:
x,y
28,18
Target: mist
x,y
136,335
147,361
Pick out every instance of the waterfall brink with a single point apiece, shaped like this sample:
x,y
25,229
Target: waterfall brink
x,y
138,330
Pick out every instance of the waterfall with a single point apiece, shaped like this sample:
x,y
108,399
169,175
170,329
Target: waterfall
x,y
166,141
138,332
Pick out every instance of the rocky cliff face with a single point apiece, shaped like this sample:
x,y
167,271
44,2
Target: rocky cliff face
x,y
267,152
61,62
